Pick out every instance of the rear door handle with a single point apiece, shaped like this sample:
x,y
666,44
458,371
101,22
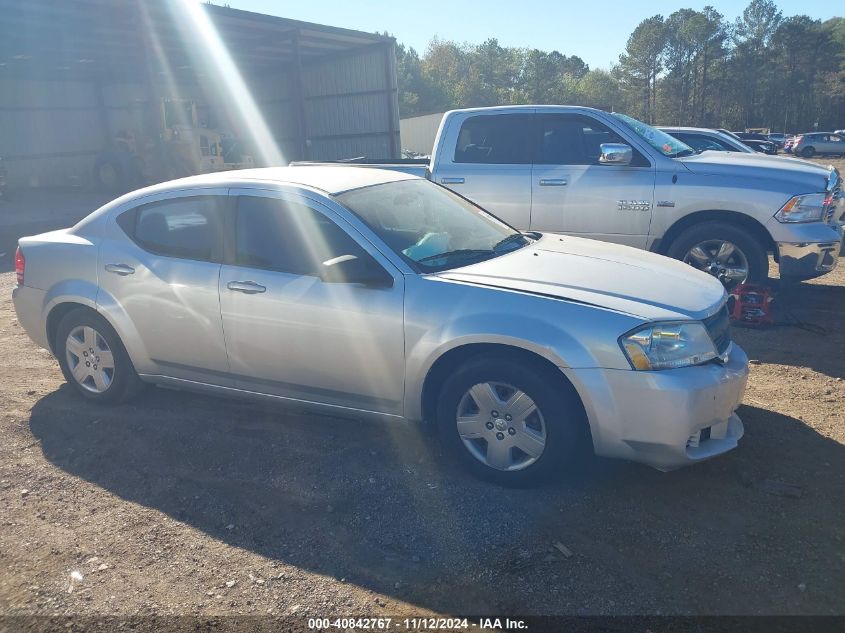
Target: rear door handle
x,y
553,182
247,287
120,269
452,180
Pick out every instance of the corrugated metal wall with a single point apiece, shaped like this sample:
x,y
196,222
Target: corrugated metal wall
x,y
350,105
52,131
419,132
49,131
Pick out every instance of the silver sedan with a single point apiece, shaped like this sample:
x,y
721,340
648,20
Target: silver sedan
x,y
371,293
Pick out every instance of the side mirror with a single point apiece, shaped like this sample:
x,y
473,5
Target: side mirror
x,y
351,269
615,154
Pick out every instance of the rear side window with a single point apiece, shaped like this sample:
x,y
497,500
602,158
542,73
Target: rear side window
x,y
501,139
575,139
288,237
188,228
701,143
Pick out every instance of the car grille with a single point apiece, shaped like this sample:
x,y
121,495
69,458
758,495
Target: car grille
x,y
719,328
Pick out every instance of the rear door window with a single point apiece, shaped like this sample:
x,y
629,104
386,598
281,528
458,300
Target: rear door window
x,y
188,228
502,139
702,143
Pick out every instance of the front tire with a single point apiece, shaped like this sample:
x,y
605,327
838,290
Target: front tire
x,y
93,359
728,252
509,422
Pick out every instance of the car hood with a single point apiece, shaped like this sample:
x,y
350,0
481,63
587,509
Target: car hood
x,y
615,277
810,177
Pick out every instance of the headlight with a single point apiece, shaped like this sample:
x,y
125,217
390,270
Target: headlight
x,y
807,208
668,345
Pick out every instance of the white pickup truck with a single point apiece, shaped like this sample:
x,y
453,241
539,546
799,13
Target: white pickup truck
x,y
589,173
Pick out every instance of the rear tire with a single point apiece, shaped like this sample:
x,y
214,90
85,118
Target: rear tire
x,y
747,245
808,152
93,359
549,432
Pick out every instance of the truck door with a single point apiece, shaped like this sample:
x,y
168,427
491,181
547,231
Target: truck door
x,y
486,157
572,193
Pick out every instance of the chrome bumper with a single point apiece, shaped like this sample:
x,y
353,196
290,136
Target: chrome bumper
x,y
807,260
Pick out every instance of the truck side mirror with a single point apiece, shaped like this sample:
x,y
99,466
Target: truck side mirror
x,y
615,154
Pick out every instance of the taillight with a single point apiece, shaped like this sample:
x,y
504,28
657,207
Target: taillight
x,y
20,265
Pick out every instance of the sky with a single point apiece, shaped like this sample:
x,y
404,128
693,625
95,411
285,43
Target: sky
x,y
596,30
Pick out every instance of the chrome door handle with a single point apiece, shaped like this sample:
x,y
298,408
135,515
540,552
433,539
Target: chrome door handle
x,y
452,180
553,182
247,287
120,269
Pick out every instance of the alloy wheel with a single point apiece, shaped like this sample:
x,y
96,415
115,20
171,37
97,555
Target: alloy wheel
x,y
720,258
90,359
501,426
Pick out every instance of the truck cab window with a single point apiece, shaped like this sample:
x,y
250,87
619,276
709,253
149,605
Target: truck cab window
x,y
502,139
575,139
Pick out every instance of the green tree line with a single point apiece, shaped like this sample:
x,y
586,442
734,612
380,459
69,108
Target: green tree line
x,y
688,68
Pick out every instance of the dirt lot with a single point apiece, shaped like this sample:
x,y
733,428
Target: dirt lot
x,y
184,504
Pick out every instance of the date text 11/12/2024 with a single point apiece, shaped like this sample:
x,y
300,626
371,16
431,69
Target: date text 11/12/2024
x,y
416,624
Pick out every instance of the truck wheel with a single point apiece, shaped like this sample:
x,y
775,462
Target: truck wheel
x,y
808,152
507,422
109,175
729,253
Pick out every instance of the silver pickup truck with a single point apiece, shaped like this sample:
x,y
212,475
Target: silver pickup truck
x,y
585,172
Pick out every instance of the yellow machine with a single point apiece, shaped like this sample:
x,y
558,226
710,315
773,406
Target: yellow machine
x,y
184,145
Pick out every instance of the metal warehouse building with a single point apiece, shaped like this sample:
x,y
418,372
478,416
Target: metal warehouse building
x,y
76,73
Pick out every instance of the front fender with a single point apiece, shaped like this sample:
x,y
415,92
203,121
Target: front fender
x,y
427,352
568,335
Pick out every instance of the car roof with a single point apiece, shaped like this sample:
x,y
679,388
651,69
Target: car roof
x,y
527,107
327,178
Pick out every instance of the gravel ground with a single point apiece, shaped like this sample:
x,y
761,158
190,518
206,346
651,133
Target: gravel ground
x,y
186,504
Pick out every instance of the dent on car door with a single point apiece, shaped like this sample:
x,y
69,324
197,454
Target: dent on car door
x,y
572,193
292,334
491,163
158,273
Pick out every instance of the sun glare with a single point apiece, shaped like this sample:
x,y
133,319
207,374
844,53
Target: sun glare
x,y
216,63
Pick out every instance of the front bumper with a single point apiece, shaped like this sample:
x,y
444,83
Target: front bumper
x,y
807,260
665,419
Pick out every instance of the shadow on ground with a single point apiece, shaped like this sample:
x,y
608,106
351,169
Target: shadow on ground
x,y
810,331
374,504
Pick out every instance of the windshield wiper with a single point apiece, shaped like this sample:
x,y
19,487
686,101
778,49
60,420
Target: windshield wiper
x,y
461,252
508,240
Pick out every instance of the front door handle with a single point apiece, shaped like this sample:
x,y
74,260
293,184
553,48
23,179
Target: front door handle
x,y
120,269
452,180
553,182
247,287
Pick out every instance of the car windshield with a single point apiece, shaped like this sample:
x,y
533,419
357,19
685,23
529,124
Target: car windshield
x,y
429,226
659,140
